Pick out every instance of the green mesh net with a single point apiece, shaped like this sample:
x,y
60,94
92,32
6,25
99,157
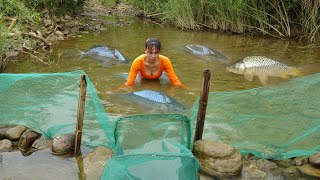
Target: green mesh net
x,y
146,146
275,122
152,146
48,103
157,166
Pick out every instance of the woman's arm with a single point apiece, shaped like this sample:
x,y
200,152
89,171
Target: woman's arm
x,y
170,72
135,67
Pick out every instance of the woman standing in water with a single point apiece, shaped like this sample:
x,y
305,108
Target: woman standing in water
x,y
151,65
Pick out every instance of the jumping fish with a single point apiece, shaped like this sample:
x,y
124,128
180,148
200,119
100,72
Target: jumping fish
x,y
263,67
205,51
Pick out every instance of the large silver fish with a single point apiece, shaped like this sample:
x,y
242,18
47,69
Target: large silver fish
x,y
200,50
105,54
263,67
158,101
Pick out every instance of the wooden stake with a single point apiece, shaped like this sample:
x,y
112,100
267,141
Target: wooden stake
x,y
203,102
80,114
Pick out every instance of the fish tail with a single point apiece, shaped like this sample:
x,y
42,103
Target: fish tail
x,y
79,53
310,68
294,71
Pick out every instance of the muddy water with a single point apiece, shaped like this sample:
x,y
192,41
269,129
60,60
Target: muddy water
x,y
129,40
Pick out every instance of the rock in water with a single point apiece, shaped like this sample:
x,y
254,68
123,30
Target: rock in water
x,y
26,140
63,144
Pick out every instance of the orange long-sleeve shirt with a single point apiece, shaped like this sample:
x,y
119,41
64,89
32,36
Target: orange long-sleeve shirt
x,y
138,66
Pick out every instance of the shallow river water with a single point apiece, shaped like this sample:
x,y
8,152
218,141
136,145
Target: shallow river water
x,y
129,40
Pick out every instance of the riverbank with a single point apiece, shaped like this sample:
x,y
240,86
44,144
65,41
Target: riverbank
x,y
22,150
240,82
216,160
36,40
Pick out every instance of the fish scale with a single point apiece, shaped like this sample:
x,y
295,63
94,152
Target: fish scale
x,y
156,101
153,96
107,52
264,64
205,51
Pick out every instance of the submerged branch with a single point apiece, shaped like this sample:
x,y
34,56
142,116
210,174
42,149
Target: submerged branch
x,y
40,60
39,36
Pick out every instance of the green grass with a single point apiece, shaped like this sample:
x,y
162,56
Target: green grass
x,y
28,13
109,3
272,17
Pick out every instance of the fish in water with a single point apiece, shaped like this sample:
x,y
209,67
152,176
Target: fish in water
x,y
263,67
205,51
106,54
156,100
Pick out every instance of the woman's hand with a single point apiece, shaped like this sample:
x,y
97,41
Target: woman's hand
x,y
172,88
184,87
126,88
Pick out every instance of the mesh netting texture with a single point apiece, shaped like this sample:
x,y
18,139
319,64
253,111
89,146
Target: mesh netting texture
x,y
48,103
145,146
274,122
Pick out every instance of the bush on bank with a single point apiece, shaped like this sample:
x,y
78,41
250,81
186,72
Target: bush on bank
x,y
298,19
280,18
17,15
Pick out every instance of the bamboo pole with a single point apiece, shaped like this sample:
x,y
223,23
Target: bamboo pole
x,y
82,174
80,114
203,102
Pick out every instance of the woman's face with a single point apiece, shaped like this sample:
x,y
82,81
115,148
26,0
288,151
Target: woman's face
x,y
152,54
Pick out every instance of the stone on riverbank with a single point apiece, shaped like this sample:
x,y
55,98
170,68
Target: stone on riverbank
x,y
14,133
3,131
63,144
300,160
261,169
6,145
315,159
95,161
217,159
42,144
309,170
27,139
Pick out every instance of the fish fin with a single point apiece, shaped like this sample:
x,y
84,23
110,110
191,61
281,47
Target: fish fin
x,y
285,76
263,79
248,76
80,53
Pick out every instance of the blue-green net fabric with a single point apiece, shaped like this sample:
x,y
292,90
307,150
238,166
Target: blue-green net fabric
x,y
273,122
155,166
146,146
48,103
152,146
